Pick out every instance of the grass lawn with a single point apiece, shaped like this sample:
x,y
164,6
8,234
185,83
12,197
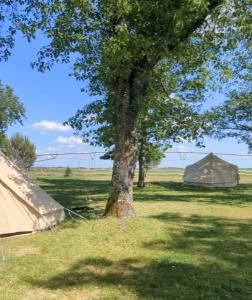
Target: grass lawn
x,y
186,243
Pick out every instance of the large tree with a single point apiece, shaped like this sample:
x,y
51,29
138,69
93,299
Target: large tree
x,y
117,45
11,110
168,121
150,156
169,114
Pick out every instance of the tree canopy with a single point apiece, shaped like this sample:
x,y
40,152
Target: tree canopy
x,y
234,118
119,46
21,151
11,110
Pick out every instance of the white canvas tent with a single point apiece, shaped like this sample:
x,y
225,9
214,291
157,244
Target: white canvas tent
x,y
24,206
213,172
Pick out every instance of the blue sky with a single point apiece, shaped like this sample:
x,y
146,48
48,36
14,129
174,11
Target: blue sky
x,y
52,97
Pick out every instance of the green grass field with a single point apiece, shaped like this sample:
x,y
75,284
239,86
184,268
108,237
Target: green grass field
x,y
186,243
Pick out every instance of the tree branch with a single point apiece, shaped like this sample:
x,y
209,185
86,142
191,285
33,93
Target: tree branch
x,y
198,23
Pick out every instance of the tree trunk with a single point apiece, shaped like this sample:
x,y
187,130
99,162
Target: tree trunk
x,y
120,202
127,101
141,162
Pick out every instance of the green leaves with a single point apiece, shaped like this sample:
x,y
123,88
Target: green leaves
x,y
11,110
190,46
104,38
234,117
21,151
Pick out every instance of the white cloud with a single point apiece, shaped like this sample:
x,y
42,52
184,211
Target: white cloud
x,y
69,141
45,125
52,149
183,148
179,139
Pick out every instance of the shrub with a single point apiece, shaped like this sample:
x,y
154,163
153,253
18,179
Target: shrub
x,y
68,172
21,151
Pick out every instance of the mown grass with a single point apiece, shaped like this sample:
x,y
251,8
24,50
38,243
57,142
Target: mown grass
x,y
186,243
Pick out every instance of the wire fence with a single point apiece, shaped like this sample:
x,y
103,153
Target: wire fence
x,y
172,159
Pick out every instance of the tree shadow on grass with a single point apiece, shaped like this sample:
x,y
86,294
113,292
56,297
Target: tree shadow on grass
x,y
217,266
74,192
226,240
162,279
239,195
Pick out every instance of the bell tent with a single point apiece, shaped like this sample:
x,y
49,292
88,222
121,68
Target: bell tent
x,y
211,171
24,206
